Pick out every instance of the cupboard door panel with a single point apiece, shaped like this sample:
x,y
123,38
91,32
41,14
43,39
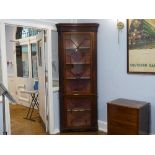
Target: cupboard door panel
x,y
79,103
78,86
78,71
78,119
83,56
79,111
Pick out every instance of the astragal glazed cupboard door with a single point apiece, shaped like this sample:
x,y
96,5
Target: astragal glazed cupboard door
x,y
78,76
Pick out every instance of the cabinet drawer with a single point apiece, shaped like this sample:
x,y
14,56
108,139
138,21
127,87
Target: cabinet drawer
x,y
124,114
120,128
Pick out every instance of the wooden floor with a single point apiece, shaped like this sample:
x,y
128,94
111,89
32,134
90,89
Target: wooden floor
x,y
21,126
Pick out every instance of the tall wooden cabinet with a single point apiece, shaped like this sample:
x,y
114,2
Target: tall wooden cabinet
x,y
78,76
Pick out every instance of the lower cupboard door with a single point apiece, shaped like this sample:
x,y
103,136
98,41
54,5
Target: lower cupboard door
x,y
80,112
78,119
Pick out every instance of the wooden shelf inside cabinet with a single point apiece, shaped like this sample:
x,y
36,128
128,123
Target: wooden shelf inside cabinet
x,y
76,49
77,94
78,76
80,63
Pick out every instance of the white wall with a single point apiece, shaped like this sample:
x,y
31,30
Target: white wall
x,y
55,72
0,64
1,118
9,48
0,69
56,111
113,80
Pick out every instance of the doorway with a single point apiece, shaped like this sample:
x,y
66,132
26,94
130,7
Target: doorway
x,y
41,25
25,51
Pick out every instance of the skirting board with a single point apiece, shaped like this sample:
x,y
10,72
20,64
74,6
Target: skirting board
x,y
102,126
56,131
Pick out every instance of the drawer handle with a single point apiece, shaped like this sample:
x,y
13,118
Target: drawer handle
x,y
75,94
78,110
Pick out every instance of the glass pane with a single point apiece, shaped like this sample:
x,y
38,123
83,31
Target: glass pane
x,y
34,60
78,119
78,71
24,32
22,61
78,41
78,111
79,86
78,48
78,51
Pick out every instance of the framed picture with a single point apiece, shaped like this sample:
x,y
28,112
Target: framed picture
x,y
141,46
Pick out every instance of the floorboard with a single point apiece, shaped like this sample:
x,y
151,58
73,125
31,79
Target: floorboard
x,y
21,126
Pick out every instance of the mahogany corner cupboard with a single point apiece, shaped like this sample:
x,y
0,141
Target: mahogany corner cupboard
x,y
78,76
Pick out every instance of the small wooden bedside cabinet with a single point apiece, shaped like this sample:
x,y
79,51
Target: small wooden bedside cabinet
x,y
128,117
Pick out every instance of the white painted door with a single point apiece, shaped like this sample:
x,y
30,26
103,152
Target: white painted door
x,y
24,78
41,77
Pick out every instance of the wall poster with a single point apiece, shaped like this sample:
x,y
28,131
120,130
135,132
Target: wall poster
x,y
141,46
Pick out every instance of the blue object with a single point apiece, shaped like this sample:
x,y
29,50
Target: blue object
x,y
36,83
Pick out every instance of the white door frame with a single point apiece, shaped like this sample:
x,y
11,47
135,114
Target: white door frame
x,y
49,29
